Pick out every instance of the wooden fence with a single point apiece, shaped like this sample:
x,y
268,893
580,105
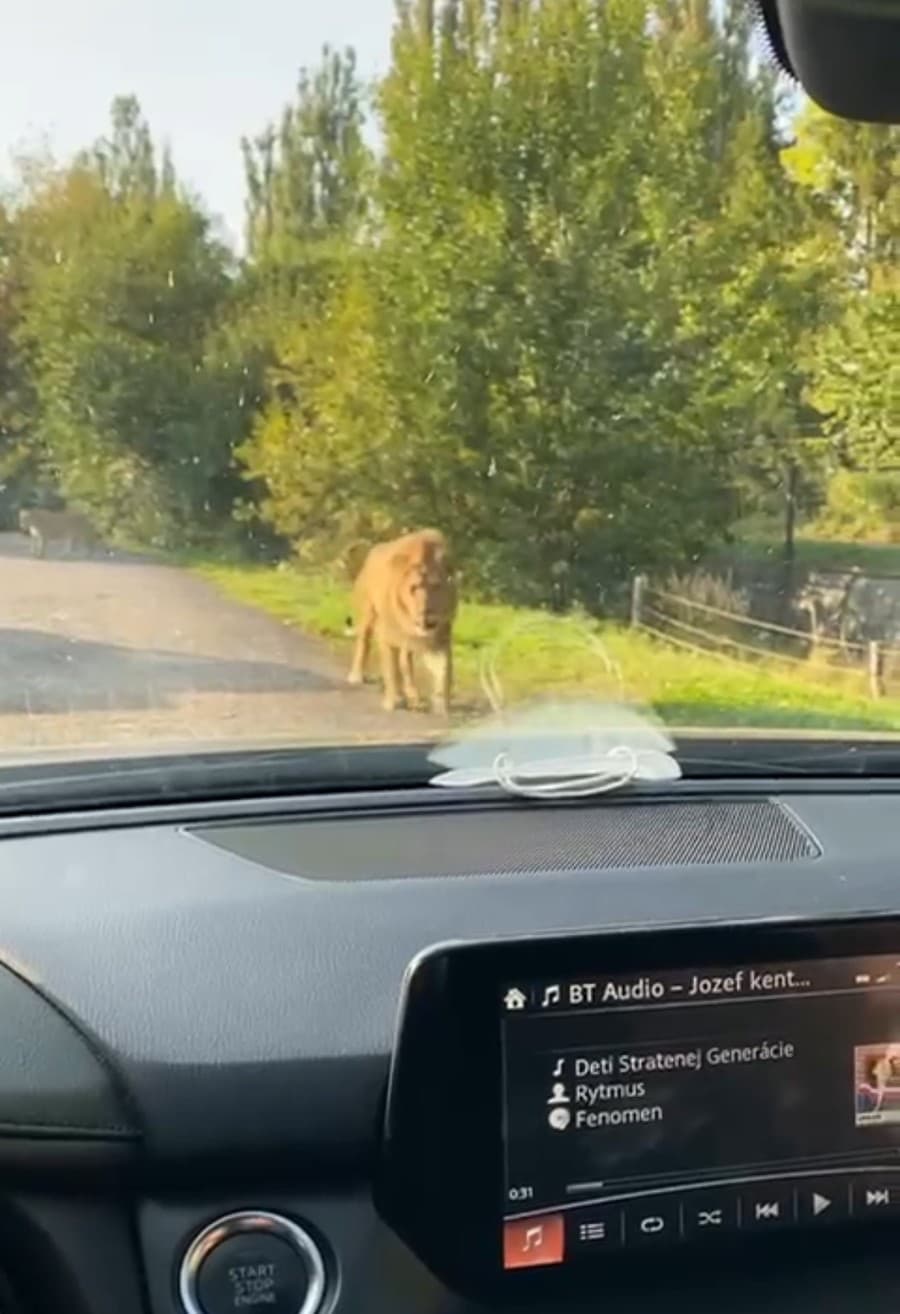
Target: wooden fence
x,y
690,625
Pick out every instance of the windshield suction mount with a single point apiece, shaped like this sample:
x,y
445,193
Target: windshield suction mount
x,y
558,747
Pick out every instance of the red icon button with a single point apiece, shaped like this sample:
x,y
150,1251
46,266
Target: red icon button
x,y
529,1242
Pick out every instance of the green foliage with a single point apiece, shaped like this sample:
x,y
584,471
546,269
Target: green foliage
x,y
308,198
853,172
582,283
857,380
306,178
316,447
583,309
862,506
120,286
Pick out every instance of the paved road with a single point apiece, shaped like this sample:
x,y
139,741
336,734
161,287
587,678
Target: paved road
x,y
118,653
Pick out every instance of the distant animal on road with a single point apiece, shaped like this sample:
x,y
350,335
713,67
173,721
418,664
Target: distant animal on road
x,y
69,528
405,597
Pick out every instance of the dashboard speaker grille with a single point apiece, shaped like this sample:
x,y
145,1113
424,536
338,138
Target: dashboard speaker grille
x,y
459,842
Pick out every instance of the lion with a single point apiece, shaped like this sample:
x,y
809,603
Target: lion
x,y
405,596
70,528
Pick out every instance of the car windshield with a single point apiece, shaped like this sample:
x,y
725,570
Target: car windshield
x,y
370,369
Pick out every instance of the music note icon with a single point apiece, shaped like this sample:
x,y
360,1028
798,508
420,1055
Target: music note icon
x,y
534,1239
551,996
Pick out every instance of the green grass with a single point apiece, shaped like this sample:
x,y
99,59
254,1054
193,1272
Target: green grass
x,y
875,558
816,554
565,655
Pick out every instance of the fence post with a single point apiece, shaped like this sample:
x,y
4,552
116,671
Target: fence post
x,y
876,669
808,605
637,597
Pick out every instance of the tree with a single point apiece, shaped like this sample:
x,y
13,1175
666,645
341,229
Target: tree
x,y
126,161
853,170
17,466
121,284
307,177
308,202
563,303
320,446
857,379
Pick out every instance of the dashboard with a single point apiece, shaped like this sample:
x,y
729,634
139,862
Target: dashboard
x,y
400,1051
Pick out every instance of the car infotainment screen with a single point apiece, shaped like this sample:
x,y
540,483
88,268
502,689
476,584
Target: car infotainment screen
x,y
623,1098
649,1108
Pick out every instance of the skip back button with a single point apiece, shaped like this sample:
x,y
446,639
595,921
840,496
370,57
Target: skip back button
x,y
770,1205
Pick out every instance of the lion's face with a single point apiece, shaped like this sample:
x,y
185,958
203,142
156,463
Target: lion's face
x,y
423,593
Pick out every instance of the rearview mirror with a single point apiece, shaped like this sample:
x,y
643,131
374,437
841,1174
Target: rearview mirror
x,y
845,53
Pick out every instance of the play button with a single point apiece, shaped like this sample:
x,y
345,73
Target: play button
x,y
828,1202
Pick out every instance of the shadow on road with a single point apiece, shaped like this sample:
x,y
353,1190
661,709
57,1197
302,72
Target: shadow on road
x,y
43,673
18,547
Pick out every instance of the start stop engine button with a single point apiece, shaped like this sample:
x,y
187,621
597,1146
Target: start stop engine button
x,y
252,1263
252,1272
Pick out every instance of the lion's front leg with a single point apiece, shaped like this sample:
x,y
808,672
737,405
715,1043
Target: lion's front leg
x,y
390,674
408,678
439,665
361,649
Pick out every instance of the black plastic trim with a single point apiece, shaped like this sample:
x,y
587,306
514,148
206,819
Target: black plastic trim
x,y
769,27
398,802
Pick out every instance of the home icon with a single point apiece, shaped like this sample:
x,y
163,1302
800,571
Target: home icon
x,y
515,999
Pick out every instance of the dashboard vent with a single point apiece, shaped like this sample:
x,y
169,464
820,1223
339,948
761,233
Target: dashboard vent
x,y
463,842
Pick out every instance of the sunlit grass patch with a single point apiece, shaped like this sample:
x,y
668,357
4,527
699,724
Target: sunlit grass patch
x,y
535,653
